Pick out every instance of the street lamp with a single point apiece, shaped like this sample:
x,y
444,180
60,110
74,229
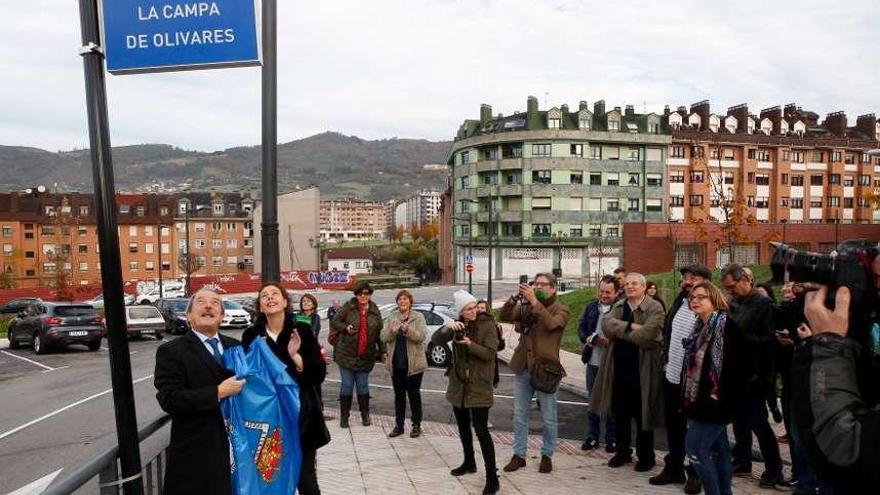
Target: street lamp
x,y
189,261
469,220
490,228
559,237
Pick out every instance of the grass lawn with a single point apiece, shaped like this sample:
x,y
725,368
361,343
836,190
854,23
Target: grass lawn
x,y
4,324
667,283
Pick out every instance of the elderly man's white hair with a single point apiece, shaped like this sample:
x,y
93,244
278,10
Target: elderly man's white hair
x,y
192,299
638,276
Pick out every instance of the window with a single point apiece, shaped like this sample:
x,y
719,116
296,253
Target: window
x,y
864,180
696,177
797,156
489,179
863,202
783,202
728,154
140,210
713,153
7,249
217,226
613,231
7,231
866,158
82,249
834,201
654,180
836,156
595,230
541,203
676,177
633,180
816,180
248,260
698,151
83,267
596,152
585,124
465,157
490,153
124,209
217,260
575,232
634,155
834,179
132,247
576,177
815,202
218,208
676,201
612,205
613,179
784,179
465,182
133,266
217,243
164,211
47,230
797,203
633,204
200,243
613,125
676,152
797,180
786,155
148,266
232,243
847,202
728,177
543,149
653,205
512,229
696,200
541,230
576,150
762,180
653,128
595,179
511,150
848,181
849,159
540,176
50,267
762,202
514,178
750,177
554,123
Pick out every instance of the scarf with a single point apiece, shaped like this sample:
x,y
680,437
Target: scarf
x,y
362,334
704,337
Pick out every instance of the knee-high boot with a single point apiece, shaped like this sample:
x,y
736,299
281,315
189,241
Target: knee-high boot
x,y
364,404
344,410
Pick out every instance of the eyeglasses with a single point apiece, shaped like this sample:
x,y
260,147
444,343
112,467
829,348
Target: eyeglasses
x,y
364,293
542,284
698,297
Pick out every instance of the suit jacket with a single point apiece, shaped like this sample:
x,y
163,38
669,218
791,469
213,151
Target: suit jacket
x,y
186,379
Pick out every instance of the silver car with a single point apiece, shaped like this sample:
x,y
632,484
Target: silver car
x,y
144,320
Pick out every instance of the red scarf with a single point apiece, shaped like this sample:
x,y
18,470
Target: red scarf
x,y
362,335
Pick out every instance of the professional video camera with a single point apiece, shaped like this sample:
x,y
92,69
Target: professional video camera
x,y
850,267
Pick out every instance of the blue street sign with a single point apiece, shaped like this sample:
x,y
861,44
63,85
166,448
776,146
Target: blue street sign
x,y
167,35
469,259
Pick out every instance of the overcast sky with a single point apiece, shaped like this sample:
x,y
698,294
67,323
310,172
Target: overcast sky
x,y
416,69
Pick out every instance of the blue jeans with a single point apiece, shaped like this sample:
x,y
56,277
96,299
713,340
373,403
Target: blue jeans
x,y
522,398
709,454
593,419
350,379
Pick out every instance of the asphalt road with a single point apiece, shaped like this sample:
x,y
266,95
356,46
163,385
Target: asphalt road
x,y
56,411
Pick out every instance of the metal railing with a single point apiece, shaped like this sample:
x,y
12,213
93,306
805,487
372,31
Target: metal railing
x,y
106,467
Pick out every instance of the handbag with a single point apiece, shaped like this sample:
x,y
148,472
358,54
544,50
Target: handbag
x,y
546,375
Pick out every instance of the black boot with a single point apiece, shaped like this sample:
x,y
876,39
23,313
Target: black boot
x,y
468,466
344,410
364,404
492,485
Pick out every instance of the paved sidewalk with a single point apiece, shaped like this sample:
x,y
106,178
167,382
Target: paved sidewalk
x,y
363,460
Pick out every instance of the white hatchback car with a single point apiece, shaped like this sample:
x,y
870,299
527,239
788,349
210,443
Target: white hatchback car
x,y
234,315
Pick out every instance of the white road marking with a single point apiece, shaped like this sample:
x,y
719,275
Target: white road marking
x,y
433,391
65,408
41,365
56,369
37,486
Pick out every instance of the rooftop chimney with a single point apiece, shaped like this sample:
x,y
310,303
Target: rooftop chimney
x,y
666,110
599,107
564,109
532,119
741,114
583,105
775,116
836,123
630,111
485,113
868,124
701,108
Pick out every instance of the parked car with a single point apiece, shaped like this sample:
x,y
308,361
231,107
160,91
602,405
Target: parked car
x,y
144,320
48,325
170,288
234,316
98,301
247,304
15,306
173,310
436,316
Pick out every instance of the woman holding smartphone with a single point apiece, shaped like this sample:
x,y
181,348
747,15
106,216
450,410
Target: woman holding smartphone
x,y
404,337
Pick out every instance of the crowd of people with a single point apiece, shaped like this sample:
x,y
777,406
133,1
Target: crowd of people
x,y
709,359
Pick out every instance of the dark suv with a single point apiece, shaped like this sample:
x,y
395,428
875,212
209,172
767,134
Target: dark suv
x,y
173,309
47,325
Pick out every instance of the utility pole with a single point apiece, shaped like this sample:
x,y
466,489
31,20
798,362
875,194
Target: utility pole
x,y
131,482
271,263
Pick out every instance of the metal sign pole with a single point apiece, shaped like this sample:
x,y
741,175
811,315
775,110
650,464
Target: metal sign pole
x,y
108,240
271,262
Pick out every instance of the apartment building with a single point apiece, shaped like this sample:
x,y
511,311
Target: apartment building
x,y
418,209
551,189
353,220
780,166
49,238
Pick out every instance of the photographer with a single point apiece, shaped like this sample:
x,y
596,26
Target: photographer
x,y
835,382
470,389
540,319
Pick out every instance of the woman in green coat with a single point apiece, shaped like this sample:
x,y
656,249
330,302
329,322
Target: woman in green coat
x,y
470,390
357,347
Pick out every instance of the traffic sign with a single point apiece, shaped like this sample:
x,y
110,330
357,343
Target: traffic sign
x,y
469,267
147,36
469,259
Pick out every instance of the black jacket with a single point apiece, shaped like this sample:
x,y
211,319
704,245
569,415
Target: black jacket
x,y
587,327
186,379
754,315
313,429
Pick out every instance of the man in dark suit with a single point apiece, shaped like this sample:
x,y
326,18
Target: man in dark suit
x,y
191,382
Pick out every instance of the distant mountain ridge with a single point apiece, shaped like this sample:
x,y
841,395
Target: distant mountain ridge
x,y
340,165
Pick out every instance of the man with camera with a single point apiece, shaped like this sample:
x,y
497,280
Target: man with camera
x,y
540,320
836,388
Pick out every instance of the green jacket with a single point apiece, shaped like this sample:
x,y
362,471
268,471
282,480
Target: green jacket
x,y
345,350
473,367
649,338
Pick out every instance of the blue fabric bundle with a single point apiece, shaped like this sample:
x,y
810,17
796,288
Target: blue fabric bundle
x,y
263,423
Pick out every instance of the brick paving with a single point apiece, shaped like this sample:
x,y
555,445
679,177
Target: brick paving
x,y
363,460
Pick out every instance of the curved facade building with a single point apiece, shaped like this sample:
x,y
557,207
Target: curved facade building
x,y
552,189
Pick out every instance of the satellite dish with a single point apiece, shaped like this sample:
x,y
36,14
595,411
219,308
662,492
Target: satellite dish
x,y
41,189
